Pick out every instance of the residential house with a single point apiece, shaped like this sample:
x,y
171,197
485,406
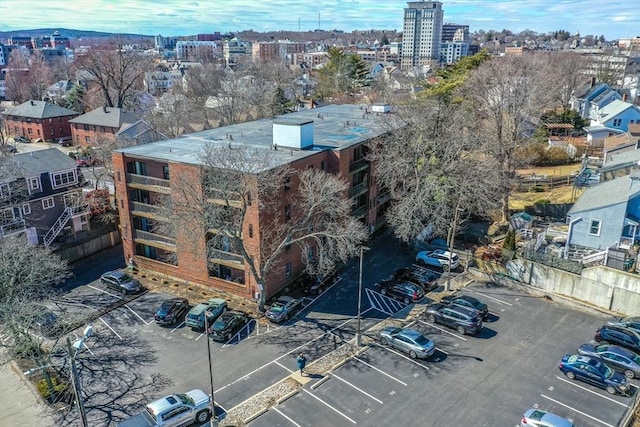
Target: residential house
x,y
159,82
39,120
59,90
331,138
140,132
102,122
584,96
612,119
40,195
606,215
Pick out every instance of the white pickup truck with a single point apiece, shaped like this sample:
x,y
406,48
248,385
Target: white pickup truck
x,y
180,409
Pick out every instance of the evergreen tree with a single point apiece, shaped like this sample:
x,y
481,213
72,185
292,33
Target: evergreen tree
x,y
279,103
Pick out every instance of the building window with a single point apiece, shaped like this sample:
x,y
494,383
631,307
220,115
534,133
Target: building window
x,y
34,183
287,212
323,166
287,183
595,226
250,230
287,270
26,209
86,127
64,178
249,201
5,190
48,203
617,122
165,171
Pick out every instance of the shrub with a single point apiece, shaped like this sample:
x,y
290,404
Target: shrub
x,y
542,202
537,189
58,387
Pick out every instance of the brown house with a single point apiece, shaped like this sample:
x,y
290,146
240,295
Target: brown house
x,y
39,121
331,138
101,122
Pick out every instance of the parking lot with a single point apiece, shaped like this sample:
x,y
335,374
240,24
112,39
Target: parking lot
x,y
488,379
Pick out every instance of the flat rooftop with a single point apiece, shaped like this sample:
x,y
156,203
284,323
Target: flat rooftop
x,y
334,127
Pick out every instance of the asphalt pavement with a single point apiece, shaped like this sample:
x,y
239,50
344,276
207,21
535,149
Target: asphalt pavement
x,y
20,404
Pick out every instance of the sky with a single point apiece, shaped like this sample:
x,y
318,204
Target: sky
x,y
611,18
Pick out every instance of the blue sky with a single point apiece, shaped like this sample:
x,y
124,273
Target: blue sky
x,y
613,18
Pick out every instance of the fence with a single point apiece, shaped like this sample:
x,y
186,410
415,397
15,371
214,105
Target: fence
x,y
553,261
543,182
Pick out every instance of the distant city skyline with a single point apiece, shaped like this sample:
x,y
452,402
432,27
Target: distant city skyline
x,y
613,19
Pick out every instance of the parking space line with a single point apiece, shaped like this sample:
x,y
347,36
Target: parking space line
x,y
180,325
443,330
284,367
327,405
380,370
442,351
591,391
402,355
104,292
199,336
490,297
373,301
286,417
112,330
137,315
333,375
575,410
237,334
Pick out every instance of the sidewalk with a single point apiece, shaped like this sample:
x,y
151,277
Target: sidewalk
x,y
19,403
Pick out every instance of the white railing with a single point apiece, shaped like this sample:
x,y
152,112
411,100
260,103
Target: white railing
x,y
541,237
595,258
58,226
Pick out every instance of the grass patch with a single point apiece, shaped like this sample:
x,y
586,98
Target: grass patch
x,y
518,201
550,171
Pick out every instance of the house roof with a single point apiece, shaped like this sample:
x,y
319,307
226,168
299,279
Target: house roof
x,y
35,163
106,116
618,160
612,109
334,127
39,110
607,193
138,131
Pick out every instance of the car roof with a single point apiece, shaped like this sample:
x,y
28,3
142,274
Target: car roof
x,y
161,405
285,299
115,273
411,333
216,301
547,417
462,310
621,328
199,309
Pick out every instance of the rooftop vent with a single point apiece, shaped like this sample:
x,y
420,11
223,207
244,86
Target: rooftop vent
x,y
292,133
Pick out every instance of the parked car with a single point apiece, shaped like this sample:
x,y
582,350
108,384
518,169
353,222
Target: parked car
x,y
171,310
207,311
174,410
8,148
619,335
121,282
406,292
469,302
22,138
618,358
626,322
438,258
538,418
426,279
593,371
462,319
283,308
85,161
227,325
65,141
407,340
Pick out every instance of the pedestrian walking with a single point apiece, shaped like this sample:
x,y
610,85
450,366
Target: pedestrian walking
x,y
302,362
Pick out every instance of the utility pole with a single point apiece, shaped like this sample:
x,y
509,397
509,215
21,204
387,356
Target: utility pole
x,y
214,418
358,334
77,387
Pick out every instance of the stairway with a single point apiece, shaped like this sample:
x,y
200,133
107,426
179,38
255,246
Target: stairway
x,y
58,226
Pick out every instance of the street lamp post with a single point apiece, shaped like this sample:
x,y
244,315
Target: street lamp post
x,y
75,381
213,422
358,334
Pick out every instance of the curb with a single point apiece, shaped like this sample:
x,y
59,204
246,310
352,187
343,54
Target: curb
x,y
320,382
254,416
287,396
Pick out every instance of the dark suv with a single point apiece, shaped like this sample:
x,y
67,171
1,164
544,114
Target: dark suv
x,y
619,335
464,320
171,311
426,279
406,292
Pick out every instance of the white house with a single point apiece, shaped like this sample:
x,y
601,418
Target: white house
x,y
614,118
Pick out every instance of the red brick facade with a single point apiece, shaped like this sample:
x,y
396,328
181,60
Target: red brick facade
x,y
50,129
86,135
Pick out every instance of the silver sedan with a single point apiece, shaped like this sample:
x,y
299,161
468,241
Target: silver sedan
x,y
408,340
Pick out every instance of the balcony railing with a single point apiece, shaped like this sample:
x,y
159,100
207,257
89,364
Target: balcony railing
x,y
383,198
12,227
357,165
221,257
155,240
361,211
143,181
145,208
359,189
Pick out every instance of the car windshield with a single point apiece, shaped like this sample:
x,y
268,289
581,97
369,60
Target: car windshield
x,y
277,307
125,278
421,340
221,323
635,358
186,399
608,372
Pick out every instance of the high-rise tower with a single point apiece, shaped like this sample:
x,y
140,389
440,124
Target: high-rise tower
x,y
421,34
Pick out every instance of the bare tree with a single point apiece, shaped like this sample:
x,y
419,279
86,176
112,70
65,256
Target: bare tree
x,y
173,114
17,78
202,83
508,95
115,71
432,168
566,70
40,76
237,184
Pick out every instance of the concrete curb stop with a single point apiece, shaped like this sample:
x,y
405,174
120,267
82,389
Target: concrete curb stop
x,y
287,396
320,382
254,416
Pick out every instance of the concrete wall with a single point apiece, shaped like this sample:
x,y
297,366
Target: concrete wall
x,y
599,286
90,247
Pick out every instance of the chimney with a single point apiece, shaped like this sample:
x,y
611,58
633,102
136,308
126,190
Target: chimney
x,y
624,97
33,102
104,109
592,81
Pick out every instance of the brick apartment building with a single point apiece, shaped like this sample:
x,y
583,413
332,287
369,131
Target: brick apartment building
x,y
330,138
101,122
39,120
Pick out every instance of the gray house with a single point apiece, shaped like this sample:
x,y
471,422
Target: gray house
x,y
607,215
40,195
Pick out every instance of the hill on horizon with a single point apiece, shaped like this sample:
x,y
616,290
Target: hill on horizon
x,y
65,32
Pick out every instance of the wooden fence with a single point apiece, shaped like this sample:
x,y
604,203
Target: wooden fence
x,y
543,182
